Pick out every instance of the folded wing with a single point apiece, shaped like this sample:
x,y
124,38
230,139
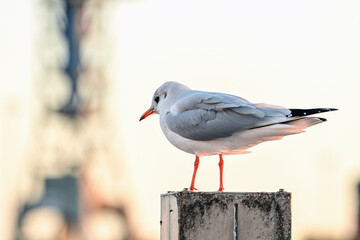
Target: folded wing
x,y
206,116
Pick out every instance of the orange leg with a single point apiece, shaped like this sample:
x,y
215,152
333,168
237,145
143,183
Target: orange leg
x,y
196,165
221,165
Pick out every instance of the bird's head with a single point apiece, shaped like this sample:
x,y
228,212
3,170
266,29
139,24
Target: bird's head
x,y
163,98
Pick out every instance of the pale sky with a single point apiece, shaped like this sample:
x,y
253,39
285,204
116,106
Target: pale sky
x,y
298,54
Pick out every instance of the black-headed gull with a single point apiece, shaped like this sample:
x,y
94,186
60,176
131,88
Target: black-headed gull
x,y
209,123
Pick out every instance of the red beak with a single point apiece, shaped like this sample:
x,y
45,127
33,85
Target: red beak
x,y
146,114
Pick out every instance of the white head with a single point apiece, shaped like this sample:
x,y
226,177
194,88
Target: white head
x,y
163,96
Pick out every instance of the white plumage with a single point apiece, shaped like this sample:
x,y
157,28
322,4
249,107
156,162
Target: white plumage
x,y
209,123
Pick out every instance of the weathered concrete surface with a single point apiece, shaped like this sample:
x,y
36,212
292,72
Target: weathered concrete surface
x,y
214,215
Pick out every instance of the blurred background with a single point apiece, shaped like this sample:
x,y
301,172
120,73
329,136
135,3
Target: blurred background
x,y
75,76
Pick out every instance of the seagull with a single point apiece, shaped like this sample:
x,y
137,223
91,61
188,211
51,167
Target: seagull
x,y
211,123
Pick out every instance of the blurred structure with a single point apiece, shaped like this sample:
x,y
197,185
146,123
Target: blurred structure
x,y
75,175
357,236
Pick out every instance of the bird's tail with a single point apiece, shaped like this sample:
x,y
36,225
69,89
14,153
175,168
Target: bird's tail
x,y
300,124
250,138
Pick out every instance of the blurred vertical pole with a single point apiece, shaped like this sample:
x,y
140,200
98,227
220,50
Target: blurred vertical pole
x,y
357,236
60,193
72,33
75,163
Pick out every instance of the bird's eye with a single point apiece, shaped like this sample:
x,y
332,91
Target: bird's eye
x,y
157,99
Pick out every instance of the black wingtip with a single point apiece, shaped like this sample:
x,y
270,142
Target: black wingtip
x,y
306,112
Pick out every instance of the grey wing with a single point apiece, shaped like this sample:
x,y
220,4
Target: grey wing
x,y
208,116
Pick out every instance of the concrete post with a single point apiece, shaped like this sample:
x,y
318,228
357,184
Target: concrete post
x,y
227,215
